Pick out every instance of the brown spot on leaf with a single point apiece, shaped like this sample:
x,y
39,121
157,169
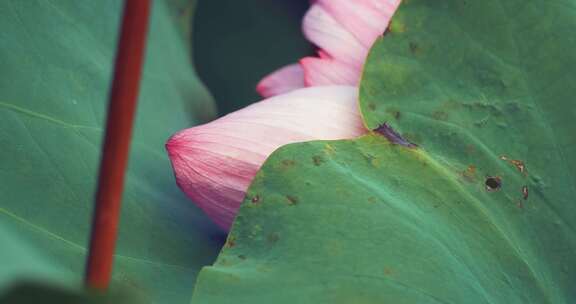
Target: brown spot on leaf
x,y
230,242
272,238
372,160
525,192
520,166
288,162
469,174
242,257
255,199
481,123
372,200
388,271
440,115
414,48
317,160
394,113
371,107
292,200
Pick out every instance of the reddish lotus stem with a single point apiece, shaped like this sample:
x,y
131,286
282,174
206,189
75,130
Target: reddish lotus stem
x,y
121,109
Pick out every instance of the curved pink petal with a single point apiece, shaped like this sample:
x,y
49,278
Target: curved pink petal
x,y
215,163
344,31
281,81
364,19
332,37
327,71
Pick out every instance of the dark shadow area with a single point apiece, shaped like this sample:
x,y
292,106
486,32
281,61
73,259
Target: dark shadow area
x,y
236,43
31,292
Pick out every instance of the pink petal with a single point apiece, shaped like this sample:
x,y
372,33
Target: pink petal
x,y
364,19
327,71
344,30
281,81
329,35
215,163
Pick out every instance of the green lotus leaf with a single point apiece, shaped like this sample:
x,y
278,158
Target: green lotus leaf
x,y
56,61
463,193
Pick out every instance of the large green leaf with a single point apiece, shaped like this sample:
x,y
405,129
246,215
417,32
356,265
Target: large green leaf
x,y
55,60
21,260
480,212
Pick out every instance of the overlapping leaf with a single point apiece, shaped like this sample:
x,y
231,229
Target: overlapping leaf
x,y
480,212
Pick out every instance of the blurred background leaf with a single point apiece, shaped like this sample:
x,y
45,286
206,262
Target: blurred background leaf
x,y
55,68
236,43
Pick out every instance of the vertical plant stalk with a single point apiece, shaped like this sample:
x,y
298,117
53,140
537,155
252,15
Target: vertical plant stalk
x,y
121,109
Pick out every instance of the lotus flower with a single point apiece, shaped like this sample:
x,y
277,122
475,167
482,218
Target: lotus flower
x,y
215,163
344,30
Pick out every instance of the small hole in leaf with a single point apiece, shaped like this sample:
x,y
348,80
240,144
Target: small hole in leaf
x,y
493,183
